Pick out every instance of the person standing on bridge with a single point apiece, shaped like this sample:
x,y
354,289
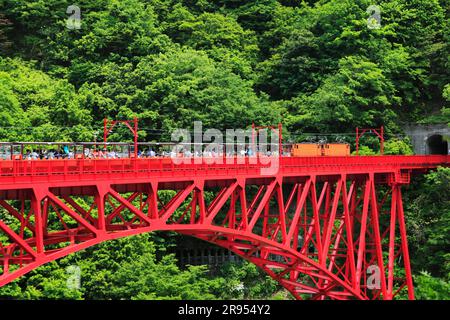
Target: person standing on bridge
x,y
28,155
34,155
151,153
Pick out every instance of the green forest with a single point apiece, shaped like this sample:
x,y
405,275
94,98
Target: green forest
x,y
316,66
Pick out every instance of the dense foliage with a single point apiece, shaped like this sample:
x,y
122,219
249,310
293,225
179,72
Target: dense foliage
x,y
315,65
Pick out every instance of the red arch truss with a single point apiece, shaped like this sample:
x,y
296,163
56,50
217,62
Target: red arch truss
x,y
323,228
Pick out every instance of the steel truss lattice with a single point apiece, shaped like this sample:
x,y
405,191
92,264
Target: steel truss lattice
x,y
316,230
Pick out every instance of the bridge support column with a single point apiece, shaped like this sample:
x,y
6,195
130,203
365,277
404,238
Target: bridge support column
x,y
100,194
39,222
404,241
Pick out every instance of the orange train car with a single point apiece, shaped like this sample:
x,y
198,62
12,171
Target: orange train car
x,y
319,150
306,150
336,149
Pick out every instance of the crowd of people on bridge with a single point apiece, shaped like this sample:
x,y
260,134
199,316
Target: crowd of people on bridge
x,y
111,153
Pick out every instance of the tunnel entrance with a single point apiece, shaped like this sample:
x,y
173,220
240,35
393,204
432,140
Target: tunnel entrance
x,y
437,144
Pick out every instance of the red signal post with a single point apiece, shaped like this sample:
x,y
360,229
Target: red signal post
x,y
379,132
256,129
108,125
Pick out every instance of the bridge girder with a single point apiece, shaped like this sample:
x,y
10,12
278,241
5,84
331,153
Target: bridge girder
x,y
330,228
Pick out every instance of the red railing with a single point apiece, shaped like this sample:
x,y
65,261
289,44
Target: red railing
x,y
189,166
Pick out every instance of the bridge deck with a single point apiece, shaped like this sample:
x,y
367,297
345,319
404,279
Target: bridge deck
x,y
318,218
32,171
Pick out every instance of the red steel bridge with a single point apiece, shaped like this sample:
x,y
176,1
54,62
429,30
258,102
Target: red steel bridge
x,y
320,226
